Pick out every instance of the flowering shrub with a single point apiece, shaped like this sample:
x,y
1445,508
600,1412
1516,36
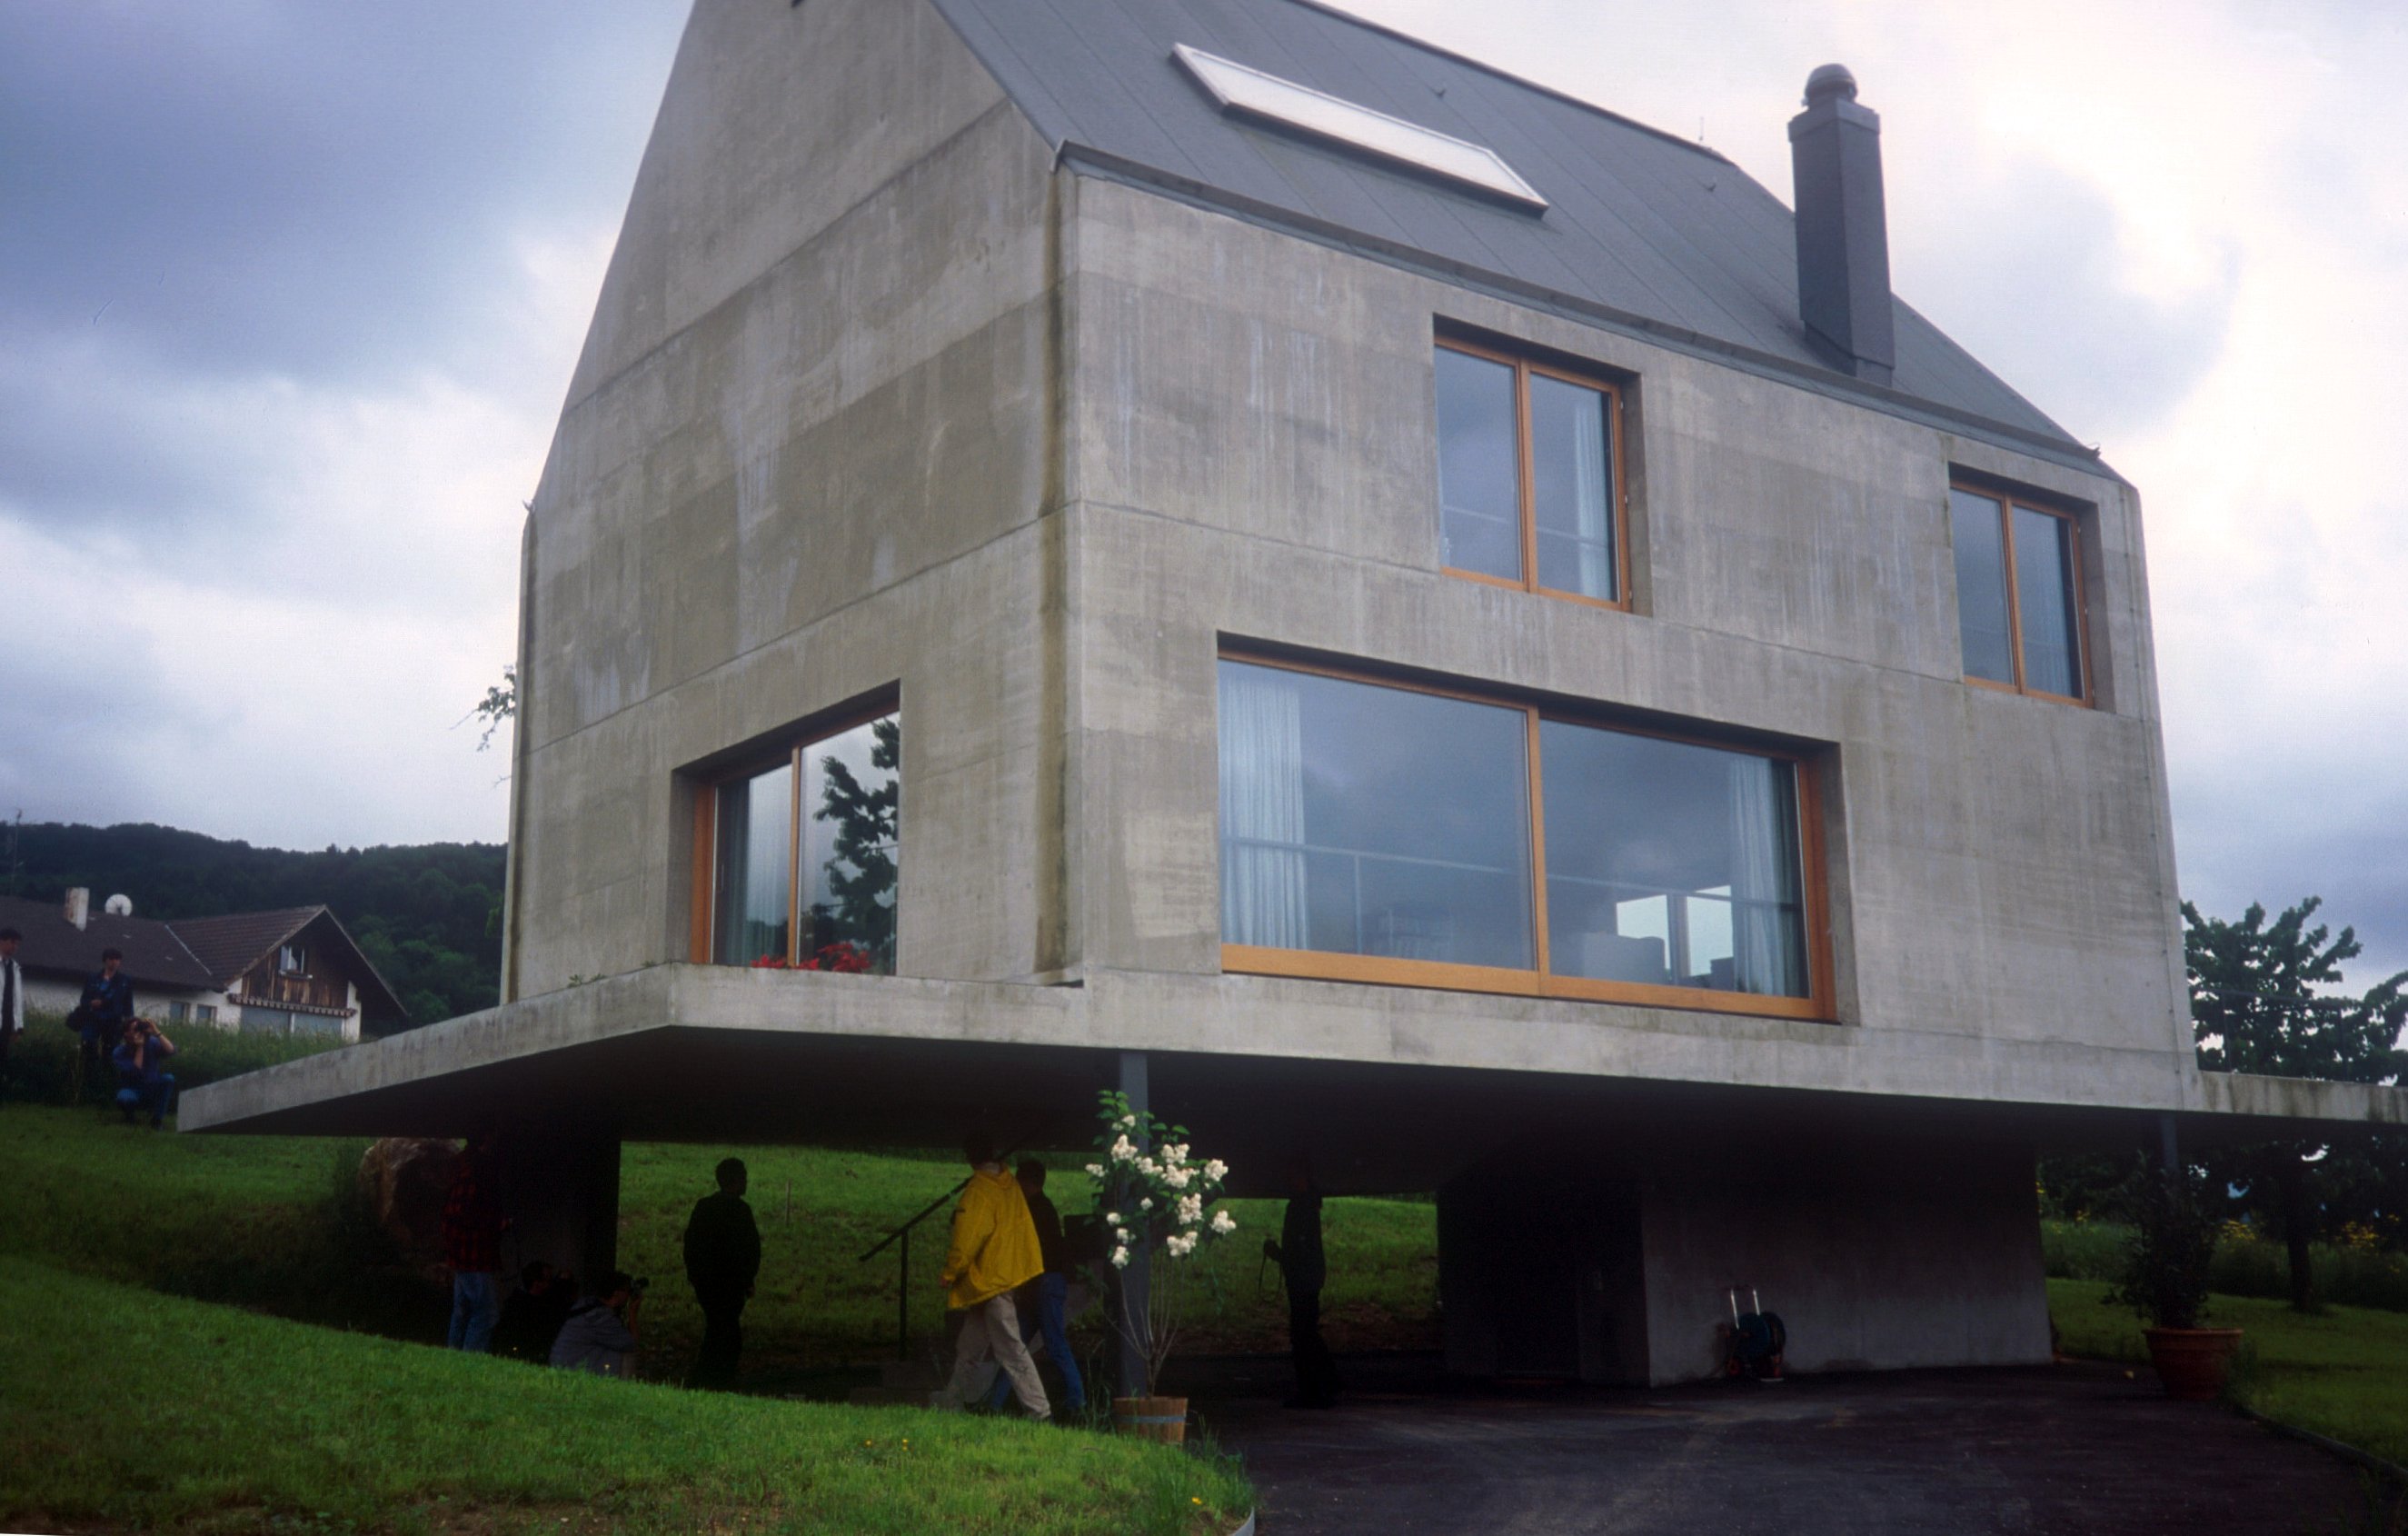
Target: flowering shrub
x,y
1152,1194
844,956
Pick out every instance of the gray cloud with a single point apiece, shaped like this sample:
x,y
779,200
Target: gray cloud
x,y
2036,292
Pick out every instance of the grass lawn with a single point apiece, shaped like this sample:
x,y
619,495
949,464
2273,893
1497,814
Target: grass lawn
x,y
2343,1375
249,1220
121,1408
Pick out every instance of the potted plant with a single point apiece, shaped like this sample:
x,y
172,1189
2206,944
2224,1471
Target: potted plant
x,y
1151,1194
2164,1281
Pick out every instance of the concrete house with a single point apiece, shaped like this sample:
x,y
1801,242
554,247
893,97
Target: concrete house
x,y
1428,628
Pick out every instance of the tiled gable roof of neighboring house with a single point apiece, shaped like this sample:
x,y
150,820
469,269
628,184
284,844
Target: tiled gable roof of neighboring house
x,y
232,945
154,954
1643,231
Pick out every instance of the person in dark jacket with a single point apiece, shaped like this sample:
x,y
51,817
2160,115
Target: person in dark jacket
x,y
1044,1298
472,1246
723,1258
531,1318
1304,1270
101,1015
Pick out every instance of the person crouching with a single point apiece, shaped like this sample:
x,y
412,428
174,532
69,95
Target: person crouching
x,y
599,1335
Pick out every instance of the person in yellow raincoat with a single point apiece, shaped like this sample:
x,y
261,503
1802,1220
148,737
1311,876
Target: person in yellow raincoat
x,y
993,1252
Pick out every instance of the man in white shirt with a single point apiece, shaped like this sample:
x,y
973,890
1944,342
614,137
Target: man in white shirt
x,y
12,1001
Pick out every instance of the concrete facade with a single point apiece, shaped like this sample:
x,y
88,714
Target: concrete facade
x,y
888,397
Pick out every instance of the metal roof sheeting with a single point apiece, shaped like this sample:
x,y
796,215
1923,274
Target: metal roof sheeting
x,y
1639,223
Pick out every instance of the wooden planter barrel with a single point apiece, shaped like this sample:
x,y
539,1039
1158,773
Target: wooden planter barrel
x,y
1151,1418
2192,1362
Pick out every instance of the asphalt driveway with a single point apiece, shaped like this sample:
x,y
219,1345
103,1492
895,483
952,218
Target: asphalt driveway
x,y
2067,1448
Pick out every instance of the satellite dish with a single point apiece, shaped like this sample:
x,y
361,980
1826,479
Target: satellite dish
x,y
119,906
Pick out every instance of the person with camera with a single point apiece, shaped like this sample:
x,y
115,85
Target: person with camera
x,y
600,1333
723,1258
141,1083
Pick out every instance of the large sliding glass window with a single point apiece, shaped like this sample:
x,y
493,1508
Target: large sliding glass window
x,y
804,855
1530,475
1372,832
2019,593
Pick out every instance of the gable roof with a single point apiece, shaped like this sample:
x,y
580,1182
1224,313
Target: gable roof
x,y
154,955
1644,232
230,946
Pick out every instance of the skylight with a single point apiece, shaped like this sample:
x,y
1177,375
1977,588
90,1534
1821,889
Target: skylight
x,y
1238,88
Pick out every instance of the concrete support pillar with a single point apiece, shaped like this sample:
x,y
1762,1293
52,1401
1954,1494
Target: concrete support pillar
x,y
1135,1283
1542,1275
2169,1150
558,1186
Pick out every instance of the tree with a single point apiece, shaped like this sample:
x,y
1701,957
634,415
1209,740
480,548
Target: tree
x,y
501,703
2256,1008
861,875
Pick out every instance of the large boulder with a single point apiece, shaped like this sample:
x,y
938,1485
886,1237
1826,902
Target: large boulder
x,y
403,1178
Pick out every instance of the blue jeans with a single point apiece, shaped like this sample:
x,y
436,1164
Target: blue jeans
x,y
476,1302
150,1098
1051,1291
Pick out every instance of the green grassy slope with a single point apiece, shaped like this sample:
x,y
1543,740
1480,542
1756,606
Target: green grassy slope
x,y
2343,1375
123,1408
248,1220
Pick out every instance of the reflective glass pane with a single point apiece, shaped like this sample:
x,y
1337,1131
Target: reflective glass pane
x,y
757,849
1571,485
1671,863
1479,475
1363,820
1982,586
852,816
2044,594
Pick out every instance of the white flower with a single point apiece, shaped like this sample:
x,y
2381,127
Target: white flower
x,y
1216,1171
1177,1178
1224,1223
1112,1218
1129,1120
1094,1171
1122,1150
1146,1204
1148,1166
1191,1209
1120,1257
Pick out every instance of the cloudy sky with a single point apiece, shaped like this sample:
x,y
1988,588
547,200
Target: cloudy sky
x,y
290,292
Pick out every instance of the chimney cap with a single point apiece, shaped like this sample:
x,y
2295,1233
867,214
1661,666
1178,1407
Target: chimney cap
x,y
1830,79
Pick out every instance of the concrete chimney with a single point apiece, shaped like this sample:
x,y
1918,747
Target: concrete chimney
x,y
1842,232
79,905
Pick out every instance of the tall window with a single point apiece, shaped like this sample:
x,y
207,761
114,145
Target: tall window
x,y
2019,593
802,854
1530,475
1371,832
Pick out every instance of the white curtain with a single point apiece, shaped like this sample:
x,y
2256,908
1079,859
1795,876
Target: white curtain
x,y
1262,803
1766,952
1593,508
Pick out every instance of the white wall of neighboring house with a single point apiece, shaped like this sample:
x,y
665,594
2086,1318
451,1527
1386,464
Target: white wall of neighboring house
x,y
49,995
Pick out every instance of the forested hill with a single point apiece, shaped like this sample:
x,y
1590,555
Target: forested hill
x,y
426,913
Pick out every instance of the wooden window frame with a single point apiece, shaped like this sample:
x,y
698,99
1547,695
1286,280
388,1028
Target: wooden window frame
x,y
1527,492
2007,501
1817,1006
702,925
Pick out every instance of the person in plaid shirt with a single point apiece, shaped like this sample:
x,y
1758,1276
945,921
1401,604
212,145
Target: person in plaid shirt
x,y
472,1246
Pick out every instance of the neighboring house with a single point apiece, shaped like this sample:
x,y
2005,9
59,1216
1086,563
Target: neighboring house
x,y
1421,624
294,971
